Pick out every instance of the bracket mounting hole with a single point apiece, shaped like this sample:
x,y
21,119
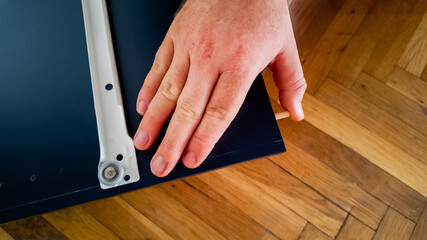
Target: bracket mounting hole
x,y
119,157
109,86
62,171
127,177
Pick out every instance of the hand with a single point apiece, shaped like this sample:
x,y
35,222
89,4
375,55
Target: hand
x,y
203,70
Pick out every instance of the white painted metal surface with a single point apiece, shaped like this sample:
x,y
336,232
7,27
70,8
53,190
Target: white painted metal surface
x,y
117,164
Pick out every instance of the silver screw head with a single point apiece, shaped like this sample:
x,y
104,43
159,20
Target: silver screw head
x,y
110,172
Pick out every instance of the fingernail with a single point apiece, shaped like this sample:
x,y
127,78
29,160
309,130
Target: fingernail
x,y
300,112
158,166
189,159
141,138
142,107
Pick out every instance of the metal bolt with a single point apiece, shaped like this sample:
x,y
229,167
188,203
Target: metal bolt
x,y
110,172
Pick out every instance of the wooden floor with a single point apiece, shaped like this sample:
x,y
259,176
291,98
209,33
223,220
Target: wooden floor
x,y
356,167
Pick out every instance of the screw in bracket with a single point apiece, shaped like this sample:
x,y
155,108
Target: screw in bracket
x,y
110,172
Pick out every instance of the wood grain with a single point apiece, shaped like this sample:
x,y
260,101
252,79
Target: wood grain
x,y
378,19
4,235
310,20
211,206
167,213
269,236
334,156
128,222
311,232
424,75
32,228
75,223
243,193
420,231
378,150
394,226
409,85
392,101
414,59
300,198
375,119
342,192
354,229
395,39
333,42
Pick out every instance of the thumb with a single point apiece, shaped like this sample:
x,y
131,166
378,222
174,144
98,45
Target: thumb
x,y
289,78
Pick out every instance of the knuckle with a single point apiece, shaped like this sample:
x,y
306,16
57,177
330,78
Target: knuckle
x,y
148,118
205,49
188,111
169,91
203,139
236,67
169,143
301,85
147,87
239,59
218,112
296,86
157,66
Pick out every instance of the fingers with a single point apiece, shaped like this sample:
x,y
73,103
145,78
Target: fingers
x,y
163,103
154,77
289,78
228,95
187,115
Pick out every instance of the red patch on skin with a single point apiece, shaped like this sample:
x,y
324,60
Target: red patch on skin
x,y
207,48
239,58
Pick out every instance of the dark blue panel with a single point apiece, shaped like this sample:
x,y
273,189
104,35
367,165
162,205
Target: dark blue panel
x,y
47,120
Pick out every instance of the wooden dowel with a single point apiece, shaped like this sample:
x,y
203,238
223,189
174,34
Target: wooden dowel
x,y
282,115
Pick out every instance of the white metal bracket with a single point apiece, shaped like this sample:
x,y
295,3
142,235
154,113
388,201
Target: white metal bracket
x,y
117,164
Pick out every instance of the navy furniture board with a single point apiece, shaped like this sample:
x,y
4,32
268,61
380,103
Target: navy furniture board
x,y
48,137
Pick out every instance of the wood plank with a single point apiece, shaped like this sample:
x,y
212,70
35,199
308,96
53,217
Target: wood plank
x,y
424,74
379,151
378,19
311,232
32,228
293,193
375,119
335,187
394,226
354,229
215,210
250,198
269,236
333,42
358,171
396,38
414,58
334,154
123,220
385,97
420,230
169,215
272,90
409,85
68,220
310,20
4,235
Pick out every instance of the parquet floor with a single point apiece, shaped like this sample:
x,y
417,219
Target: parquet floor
x,y
356,167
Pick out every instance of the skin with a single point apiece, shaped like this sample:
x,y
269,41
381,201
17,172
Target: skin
x,y
203,70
